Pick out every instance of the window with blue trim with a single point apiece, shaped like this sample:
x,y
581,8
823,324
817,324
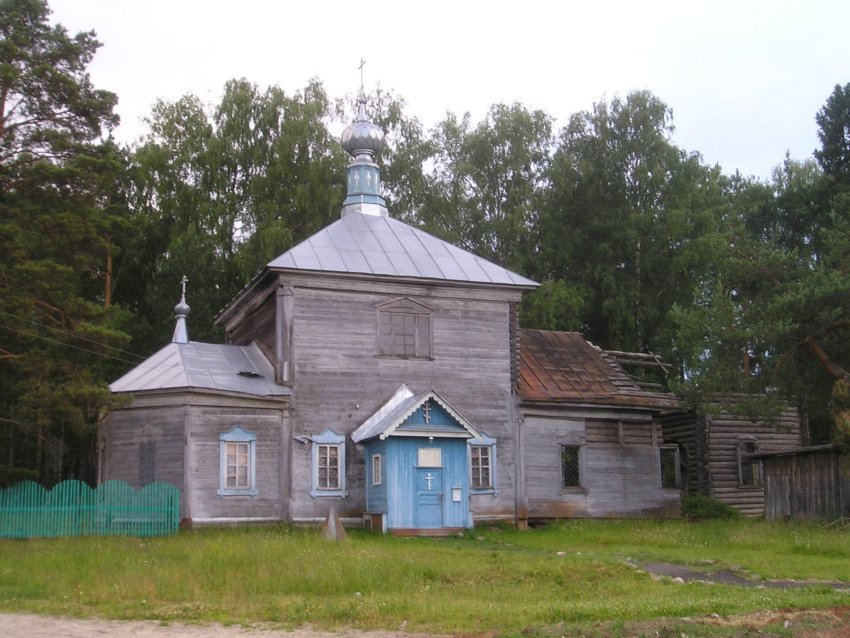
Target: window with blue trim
x,y
237,463
482,464
328,464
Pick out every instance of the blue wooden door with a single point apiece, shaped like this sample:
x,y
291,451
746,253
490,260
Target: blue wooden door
x,y
429,497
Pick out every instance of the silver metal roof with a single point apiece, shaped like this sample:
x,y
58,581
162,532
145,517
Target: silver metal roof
x,y
374,245
208,366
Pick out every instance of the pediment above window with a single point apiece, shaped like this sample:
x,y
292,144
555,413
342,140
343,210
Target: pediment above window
x,y
404,305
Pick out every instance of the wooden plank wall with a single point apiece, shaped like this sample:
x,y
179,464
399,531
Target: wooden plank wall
x,y
185,427
682,428
808,485
257,323
377,494
206,421
339,380
128,429
621,473
724,432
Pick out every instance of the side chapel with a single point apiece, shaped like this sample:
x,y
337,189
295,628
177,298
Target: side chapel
x,y
379,371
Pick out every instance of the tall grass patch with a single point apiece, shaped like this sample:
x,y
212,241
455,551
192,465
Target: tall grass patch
x,y
491,578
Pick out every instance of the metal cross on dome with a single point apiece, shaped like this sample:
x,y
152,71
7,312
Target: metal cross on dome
x,y
184,280
362,64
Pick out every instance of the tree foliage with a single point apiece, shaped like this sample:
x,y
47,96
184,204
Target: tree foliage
x,y
484,191
623,218
59,209
222,190
49,110
742,283
773,314
833,122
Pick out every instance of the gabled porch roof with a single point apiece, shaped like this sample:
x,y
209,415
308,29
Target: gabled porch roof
x,y
390,417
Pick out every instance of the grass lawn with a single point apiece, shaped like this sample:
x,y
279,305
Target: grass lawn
x,y
563,578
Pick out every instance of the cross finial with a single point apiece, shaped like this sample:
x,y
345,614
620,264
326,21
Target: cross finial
x,y
362,64
181,311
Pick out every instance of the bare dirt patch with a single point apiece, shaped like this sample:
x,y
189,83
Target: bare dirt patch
x,y
685,574
808,623
36,626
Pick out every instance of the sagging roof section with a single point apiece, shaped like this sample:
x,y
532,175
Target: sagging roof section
x,y
207,366
564,367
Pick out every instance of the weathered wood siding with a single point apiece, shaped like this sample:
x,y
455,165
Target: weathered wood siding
x,y
339,380
178,434
256,321
139,435
724,432
205,422
620,466
682,429
807,485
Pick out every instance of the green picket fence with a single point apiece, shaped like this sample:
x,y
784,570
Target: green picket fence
x,y
72,508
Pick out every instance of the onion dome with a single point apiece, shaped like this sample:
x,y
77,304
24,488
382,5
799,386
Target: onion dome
x,y
361,137
363,141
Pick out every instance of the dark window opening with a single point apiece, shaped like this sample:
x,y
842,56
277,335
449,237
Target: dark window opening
x,y
749,470
570,466
670,476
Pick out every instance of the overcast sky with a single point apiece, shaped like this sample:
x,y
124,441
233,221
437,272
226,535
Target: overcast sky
x,y
744,78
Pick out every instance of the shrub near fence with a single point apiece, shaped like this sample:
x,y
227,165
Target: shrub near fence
x,y
72,508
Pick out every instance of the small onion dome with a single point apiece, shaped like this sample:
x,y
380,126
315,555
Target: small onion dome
x,y
182,309
362,137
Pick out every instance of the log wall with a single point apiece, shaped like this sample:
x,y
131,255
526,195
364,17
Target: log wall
x,y
724,432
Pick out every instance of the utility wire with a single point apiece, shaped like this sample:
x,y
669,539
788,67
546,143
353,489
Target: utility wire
x,y
67,345
71,334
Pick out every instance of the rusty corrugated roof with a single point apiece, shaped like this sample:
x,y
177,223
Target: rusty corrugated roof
x,y
563,367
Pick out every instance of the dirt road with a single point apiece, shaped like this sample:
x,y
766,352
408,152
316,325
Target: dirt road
x,y
35,626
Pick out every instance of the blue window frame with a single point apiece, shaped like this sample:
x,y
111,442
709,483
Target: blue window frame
x,y
237,463
377,474
482,464
328,464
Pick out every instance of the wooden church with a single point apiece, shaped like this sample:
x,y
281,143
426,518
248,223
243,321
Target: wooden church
x,y
379,371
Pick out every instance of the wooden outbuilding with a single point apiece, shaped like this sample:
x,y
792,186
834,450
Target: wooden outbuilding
x,y
810,483
591,436
719,451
